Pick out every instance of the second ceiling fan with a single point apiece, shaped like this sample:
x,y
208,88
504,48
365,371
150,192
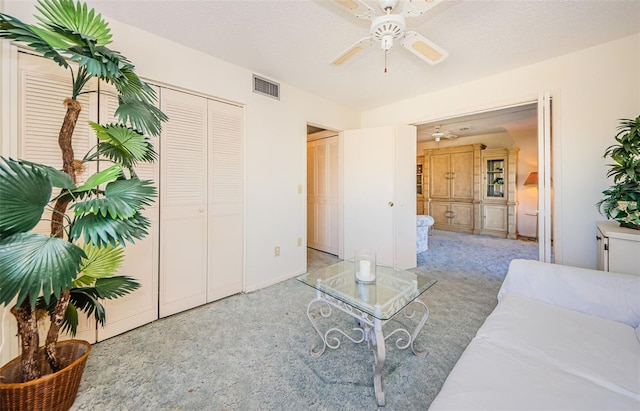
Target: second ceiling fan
x,y
390,26
438,134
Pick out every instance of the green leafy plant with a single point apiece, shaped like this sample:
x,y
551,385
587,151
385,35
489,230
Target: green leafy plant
x,y
622,199
73,267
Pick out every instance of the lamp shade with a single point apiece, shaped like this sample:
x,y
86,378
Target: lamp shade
x,y
532,179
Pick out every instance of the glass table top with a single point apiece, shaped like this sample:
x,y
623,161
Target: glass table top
x,y
392,290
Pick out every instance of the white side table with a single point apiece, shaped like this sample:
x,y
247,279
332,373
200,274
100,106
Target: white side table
x,y
618,248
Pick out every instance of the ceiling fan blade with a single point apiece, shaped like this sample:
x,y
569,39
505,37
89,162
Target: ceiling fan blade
x,y
359,8
423,48
352,51
413,8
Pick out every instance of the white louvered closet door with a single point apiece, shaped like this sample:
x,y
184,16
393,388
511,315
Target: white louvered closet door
x,y
183,202
140,259
42,88
225,266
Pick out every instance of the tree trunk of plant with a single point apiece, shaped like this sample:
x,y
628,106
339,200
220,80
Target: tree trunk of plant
x,y
70,167
29,340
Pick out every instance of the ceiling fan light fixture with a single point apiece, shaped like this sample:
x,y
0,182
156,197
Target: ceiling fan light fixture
x,y
390,26
386,42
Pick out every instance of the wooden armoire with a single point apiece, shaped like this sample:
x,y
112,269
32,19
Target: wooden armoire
x,y
472,190
452,187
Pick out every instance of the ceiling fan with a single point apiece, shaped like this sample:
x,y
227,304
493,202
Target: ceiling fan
x,y
442,134
388,26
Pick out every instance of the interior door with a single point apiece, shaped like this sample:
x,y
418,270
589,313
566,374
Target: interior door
x,y
544,177
226,200
322,194
183,202
404,210
379,194
141,258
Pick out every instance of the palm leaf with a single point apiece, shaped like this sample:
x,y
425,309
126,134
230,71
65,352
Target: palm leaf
x,y
24,193
122,199
58,178
86,300
100,262
100,230
142,115
116,286
120,143
70,322
118,67
37,39
83,298
101,177
77,19
130,85
70,319
31,264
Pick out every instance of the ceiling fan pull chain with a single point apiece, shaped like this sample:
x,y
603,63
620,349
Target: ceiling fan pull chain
x,y
385,60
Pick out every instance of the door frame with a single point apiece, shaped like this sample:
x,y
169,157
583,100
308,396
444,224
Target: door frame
x,y
544,213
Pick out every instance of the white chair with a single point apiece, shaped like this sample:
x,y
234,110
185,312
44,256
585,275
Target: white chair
x,y
423,224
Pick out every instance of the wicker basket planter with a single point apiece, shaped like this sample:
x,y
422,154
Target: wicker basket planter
x,y
51,392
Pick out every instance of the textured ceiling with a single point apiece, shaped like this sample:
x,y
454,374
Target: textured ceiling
x,y
292,41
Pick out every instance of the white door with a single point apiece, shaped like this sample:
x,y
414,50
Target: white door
x,y
544,177
141,258
322,194
225,204
379,194
405,197
183,203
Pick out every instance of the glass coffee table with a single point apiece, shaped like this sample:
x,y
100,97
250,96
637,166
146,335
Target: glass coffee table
x,y
372,304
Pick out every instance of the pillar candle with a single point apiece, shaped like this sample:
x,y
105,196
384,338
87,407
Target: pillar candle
x,y
365,269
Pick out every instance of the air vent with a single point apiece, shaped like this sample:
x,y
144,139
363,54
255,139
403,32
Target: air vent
x,y
266,87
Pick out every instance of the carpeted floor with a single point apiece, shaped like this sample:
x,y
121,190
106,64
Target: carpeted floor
x,y
251,351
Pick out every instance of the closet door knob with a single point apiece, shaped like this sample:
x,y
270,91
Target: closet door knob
x,y
390,203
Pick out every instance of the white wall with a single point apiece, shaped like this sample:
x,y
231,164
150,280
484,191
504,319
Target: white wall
x,y
591,90
275,140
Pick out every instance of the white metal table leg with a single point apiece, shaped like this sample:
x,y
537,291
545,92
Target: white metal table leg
x,y
379,356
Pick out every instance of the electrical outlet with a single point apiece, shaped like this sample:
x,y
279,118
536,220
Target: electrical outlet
x,y
299,241
299,188
276,251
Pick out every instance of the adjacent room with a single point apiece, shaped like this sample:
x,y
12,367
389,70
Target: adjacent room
x,y
320,204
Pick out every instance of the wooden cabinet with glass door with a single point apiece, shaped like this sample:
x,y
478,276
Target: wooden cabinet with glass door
x,y
419,185
499,192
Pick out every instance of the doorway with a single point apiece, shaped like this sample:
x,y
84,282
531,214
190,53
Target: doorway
x,y
507,127
322,190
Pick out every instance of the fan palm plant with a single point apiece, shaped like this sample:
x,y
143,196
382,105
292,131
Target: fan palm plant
x,y
73,267
622,200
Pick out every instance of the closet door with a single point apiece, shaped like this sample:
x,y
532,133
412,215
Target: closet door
x,y
225,200
141,258
42,87
183,202
322,194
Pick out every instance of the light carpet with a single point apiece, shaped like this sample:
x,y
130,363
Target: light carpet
x,y
251,351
